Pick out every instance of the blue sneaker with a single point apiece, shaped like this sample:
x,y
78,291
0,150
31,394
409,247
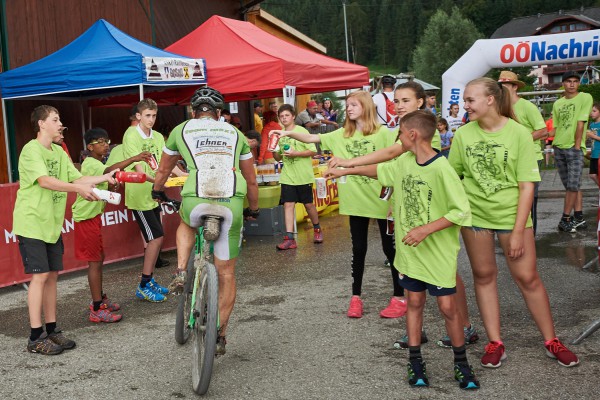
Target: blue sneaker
x,y
157,288
417,375
463,373
146,293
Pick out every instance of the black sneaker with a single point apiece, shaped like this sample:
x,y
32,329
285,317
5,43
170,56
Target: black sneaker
x,y
579,223
566,226
221,342
161,263
417,375
43,345
60,339
463,373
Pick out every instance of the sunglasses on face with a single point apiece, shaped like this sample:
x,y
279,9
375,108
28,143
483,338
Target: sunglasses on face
x,y
100,141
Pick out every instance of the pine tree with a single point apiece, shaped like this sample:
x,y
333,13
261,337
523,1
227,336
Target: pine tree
x,y
445,40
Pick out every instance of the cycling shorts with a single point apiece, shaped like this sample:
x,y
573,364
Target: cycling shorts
x,y
227,246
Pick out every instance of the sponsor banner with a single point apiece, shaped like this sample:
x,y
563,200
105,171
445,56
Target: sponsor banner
x,y
512,52
122,237
164,69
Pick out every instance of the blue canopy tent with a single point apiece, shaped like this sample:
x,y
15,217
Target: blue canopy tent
x,y
102,61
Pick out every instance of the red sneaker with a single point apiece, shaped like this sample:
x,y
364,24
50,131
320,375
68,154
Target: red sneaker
x,y
112,307
396,309
103,315
318,238
288,243
565,357
356,307
494,355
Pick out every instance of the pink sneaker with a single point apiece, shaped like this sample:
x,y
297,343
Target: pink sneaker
x,y
396,309
288,243
494,355
318,238
356,307
565,357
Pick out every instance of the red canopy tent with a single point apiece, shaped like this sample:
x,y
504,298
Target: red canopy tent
x,y
244,62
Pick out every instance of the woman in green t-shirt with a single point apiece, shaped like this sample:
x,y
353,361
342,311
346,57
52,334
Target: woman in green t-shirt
x,y
359,196
493,156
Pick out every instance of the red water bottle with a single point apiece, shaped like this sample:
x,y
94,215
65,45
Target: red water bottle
x,y
273,142
130,177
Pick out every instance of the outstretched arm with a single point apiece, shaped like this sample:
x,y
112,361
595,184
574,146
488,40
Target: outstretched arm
x,y
375,157
301,137
368,170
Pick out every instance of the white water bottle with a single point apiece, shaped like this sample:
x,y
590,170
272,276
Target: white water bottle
x,y
108,196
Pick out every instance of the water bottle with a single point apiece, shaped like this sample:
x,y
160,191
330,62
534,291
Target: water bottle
x,y
108,196
130,177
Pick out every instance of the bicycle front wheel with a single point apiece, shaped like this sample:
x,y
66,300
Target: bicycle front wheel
x,y
205,330
184,306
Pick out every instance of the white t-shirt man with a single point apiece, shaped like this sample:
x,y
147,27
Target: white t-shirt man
x,y
381,106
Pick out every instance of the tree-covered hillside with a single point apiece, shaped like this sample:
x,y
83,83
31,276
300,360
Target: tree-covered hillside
x,y
383,34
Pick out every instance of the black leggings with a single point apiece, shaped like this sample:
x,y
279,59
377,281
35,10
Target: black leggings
x,y
359,230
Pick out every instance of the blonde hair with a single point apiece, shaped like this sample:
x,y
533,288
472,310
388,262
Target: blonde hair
x,y
501,95
368,117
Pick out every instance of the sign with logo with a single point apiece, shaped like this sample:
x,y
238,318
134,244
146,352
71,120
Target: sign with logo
x,y
164,69
512,52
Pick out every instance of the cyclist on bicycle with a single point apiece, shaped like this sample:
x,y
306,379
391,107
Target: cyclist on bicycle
x,y
221,170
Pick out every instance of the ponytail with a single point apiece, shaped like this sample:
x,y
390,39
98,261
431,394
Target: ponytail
x,y
501,95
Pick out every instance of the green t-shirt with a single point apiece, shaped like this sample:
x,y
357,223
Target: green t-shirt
x,y
492,165
138,196
530,117
359,196
39,213
212,151
83,209
297,170
423,194
115,156
566,114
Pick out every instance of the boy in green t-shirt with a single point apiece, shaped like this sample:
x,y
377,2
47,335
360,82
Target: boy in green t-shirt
x,y
88,223
296,178
46,175
571,113
138,196
429,209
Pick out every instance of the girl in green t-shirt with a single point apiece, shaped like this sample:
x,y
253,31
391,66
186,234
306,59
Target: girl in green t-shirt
x,y
408,97
359,196
493,155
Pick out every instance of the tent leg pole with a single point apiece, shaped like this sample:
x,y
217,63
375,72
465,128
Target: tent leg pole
x,y
82,114
6,142
141,92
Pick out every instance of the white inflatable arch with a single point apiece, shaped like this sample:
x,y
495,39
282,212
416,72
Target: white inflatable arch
x,y
512,52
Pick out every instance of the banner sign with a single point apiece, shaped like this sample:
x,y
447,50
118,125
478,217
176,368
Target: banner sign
x,y
121,235
289,95
486,54
164,69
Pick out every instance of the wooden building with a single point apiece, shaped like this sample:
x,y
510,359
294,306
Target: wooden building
x,y
32,29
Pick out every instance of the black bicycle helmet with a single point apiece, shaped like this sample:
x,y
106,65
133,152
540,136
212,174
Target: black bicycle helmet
x,y
388,80
208,96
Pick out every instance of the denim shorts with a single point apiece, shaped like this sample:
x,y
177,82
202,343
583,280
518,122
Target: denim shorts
x,y
416,285
497,231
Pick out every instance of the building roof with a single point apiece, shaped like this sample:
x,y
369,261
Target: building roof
x,y
530,25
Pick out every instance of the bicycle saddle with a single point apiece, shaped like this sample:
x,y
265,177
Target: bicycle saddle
x,y
203,211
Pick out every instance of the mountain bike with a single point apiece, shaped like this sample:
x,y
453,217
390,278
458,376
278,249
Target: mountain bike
x,y
198,307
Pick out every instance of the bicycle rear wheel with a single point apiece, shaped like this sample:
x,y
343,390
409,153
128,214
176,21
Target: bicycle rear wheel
x,y
205,330
184,306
